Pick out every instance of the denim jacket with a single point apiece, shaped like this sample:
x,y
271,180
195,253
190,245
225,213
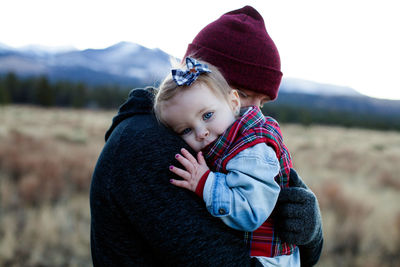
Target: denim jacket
x,y
244,197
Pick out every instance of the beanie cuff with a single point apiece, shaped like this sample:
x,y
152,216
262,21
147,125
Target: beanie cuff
x,y
243,75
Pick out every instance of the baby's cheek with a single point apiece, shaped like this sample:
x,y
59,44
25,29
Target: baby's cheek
x,y
191,142
225,124
187,140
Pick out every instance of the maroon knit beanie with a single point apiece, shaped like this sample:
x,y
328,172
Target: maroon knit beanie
x,y
239,45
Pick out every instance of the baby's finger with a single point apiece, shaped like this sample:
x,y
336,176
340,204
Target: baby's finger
x,y
179,183
182,173
188,156
185,162
200,158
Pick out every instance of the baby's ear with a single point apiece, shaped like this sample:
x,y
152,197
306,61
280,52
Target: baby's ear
x,y
234,101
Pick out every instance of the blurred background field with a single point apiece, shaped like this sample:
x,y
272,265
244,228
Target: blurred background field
x,y
47,156
340,121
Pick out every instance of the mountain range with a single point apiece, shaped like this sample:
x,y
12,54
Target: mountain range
x,y
123,64
132,65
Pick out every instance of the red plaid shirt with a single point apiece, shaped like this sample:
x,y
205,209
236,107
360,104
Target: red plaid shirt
x,y
250,129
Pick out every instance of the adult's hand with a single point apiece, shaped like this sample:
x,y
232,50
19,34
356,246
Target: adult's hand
x,y
299,219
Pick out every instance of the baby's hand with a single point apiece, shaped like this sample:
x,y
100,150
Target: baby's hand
x,y
194,170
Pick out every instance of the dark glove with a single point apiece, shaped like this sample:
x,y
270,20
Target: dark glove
x,y
310,253
298,219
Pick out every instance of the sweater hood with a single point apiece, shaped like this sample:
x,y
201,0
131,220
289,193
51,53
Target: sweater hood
x,y
140,101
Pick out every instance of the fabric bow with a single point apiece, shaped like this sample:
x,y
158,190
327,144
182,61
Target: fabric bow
x,y
187,77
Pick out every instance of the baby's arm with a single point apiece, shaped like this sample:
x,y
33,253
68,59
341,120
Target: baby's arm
x,y
245,196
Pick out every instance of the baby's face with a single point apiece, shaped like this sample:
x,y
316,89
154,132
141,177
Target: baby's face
x,y
198,115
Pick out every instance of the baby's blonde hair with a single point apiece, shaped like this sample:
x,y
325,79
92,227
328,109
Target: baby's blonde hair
x,y
169,89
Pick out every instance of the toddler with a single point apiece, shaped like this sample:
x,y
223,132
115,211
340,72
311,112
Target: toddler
x,y
248,159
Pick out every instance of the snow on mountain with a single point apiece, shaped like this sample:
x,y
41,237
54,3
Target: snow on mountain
x,y
21,65
41,51
118,52
5,47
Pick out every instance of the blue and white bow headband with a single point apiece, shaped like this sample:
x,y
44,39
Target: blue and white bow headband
x,y
187,77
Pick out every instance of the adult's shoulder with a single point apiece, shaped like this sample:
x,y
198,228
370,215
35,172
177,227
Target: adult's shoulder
x,y
139,102
142,136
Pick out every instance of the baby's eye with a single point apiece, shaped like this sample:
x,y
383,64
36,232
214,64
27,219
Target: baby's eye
x,y
208,115
186,131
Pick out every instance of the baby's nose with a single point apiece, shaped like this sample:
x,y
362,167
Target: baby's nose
x,y
203,133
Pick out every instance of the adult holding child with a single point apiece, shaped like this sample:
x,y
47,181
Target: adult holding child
x,y
140,219
240,46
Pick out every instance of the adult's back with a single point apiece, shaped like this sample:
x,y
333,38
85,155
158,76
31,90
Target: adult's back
x,y
138,217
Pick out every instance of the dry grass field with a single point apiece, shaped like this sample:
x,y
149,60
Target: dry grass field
x,y
47,157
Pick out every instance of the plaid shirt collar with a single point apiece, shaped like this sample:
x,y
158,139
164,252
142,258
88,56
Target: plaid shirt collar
x,y
249,117
252,127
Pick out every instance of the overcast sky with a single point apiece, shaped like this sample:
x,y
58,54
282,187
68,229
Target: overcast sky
x,y
352,43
